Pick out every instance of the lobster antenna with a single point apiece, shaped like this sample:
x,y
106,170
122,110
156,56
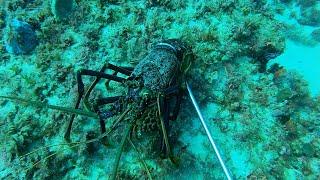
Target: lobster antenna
x,y
48,106
195,104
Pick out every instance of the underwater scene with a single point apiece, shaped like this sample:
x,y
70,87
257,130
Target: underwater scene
x,y
160,89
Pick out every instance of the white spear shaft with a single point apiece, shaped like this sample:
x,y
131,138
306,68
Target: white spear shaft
x,y
195,104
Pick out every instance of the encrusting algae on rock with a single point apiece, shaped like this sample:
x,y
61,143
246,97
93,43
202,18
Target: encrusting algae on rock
x,y
21,38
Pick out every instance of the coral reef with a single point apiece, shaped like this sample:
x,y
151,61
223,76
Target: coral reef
x,y
264,121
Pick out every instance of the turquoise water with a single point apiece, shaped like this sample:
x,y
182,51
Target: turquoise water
x,y
305,63
254,72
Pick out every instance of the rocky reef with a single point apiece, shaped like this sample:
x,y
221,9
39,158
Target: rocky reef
x,y
20,38
263,119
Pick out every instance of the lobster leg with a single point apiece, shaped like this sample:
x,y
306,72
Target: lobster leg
x,y
164,108
104,115
168,113
123,70
98,74
107,100
120,150
171,93
163,114
176,108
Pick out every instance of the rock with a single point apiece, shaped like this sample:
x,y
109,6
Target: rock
x,y
20,38
61,9
286,1
310,16
308,150
307,3
289,174
316,35
2,19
